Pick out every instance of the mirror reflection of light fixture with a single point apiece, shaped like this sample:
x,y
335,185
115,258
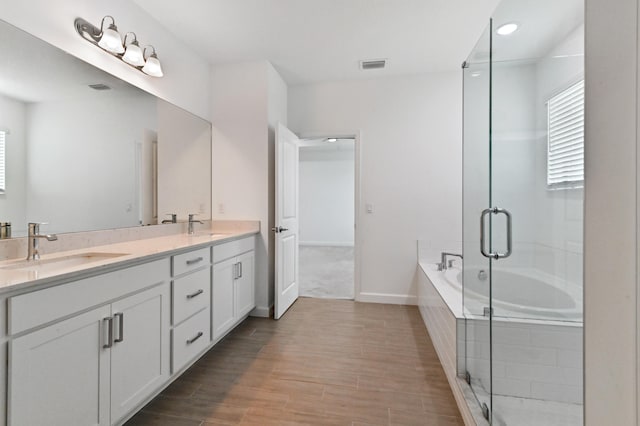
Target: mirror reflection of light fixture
x,y
331,140
133,54
110,41
152,64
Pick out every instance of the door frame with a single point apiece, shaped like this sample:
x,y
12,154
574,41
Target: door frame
x,y
357,236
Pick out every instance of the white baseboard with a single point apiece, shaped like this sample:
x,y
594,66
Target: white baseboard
x,y
392,299
261,311
326,244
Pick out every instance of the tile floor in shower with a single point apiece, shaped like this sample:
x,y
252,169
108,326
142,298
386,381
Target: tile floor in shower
x,y
326,272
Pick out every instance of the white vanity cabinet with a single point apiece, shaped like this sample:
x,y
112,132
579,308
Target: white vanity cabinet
x,y
97,366
191,288
233,294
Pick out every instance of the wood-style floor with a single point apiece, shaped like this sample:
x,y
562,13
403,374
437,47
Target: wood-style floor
x,y
325,362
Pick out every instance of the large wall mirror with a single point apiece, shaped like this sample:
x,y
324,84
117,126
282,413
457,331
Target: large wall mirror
x,y
84,150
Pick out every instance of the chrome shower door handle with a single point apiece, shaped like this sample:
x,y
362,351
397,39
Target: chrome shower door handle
x,y
491,255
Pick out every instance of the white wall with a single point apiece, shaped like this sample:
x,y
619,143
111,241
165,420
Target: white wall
x,y
410,167
74,165
611,213
247,100
186,80
327,184
13,203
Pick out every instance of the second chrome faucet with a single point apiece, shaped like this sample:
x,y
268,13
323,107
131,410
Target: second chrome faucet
x,y
33,238
191,222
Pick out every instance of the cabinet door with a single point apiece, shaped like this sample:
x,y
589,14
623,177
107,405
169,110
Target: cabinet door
x,y
223,304
140,353
245,285
59,375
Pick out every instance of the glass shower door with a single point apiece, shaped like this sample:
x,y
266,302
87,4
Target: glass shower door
x,y
533,221
476,197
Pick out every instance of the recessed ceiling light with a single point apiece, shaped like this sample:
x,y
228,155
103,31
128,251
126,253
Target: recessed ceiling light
x,y
507,29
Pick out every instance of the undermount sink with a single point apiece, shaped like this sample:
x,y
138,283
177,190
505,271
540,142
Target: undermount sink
x,y
49,265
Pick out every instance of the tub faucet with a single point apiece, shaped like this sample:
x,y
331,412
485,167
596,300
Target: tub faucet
x,y
32,242
191,222
443,265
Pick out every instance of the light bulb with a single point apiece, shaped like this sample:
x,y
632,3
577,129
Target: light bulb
x,y
152,66
111,41
133,55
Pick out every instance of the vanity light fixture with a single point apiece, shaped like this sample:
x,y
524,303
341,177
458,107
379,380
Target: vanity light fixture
x,y
109,40
133,54
152,64
507,29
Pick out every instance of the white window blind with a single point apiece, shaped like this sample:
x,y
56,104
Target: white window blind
x,y
565,154
2,161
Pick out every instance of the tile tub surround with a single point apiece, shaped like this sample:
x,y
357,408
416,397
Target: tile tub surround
x,y
135,250
537,360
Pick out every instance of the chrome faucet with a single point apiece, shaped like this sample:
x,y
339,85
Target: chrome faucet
x,y
174,218
443,265
32,242
191,222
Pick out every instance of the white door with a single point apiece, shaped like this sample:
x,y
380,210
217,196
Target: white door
x,y
286,224
140,351
59,375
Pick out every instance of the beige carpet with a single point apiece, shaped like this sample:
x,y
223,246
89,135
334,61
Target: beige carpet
x,y
326,272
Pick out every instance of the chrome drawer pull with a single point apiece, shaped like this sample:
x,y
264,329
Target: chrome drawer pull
x,y
120,327
196,260
197,293
109,332
199,335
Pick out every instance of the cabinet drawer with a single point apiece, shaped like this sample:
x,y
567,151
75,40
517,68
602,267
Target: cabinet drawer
x,y
191,261
191,293
233,248
42,306
190,338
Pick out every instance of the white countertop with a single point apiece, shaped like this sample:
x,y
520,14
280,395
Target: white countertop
x,y
134,252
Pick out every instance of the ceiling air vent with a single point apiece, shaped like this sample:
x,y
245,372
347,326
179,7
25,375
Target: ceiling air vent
x,y
373,64
99,86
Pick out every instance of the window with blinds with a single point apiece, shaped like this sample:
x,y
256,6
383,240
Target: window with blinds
x,y
3,138
565,153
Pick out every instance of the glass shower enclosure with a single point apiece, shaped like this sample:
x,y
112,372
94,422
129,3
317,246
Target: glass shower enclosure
x,y
522,213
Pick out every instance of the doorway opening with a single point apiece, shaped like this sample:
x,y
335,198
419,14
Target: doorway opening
x,y
327,192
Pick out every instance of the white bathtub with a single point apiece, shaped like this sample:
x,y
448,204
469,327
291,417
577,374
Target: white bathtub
x,y
537,327
517,293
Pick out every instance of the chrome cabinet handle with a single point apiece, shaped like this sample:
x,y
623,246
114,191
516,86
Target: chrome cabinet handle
x,y
236,271
193,339
120,317
491,255
197,293
240,265
194,261
109,343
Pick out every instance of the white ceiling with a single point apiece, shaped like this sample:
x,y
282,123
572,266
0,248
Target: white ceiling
x,y
320,40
